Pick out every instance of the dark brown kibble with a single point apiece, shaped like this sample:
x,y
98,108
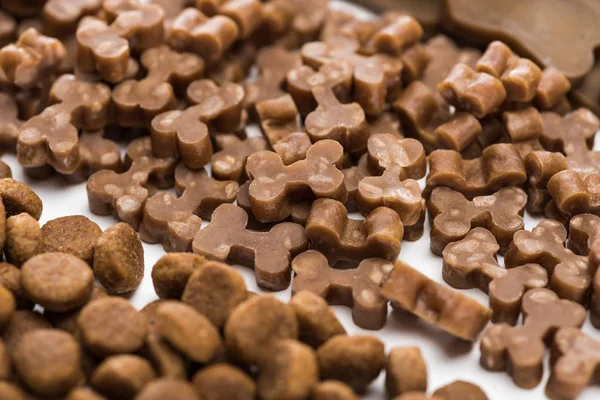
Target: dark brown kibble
x,y
224,382
405,371
18,197
122,377
23,238
171,273
57,281
333,390
168,389
119,259
111,326
75,235
317,323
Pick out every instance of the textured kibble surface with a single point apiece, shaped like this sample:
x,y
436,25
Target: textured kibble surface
x,y
75,235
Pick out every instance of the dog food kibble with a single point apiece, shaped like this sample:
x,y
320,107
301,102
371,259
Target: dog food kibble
x,y
333,390
119,259
75,235
12,392
405,371
18,198
57,281
23,238
168,389
461,390
22,323
111,325
7,306
224,382
170,274
67,321
10,277
84,394
122,377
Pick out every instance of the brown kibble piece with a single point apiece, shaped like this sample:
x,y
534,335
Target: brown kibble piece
x,y
167,389
386,150
17,198
584,230
453,312
405,371
274,184
44,350
230,162
61,16
397,36
290,374
84,394
460,390
5,363
125,194
255,327
357,288
111,325
23,238
119,259
454,216
7,306
122,377
338,237
21,323
521,350
224,382
570,275
12,391
353,360
352,177
540,167
226,238
171,273
471,263
173,222
51,137
57,281
552,89
67,321
10,278
317,323
523,128
214,289
444,54
96,153
75,235
333,390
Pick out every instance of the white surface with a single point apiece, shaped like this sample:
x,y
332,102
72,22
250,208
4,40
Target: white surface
x,y
447,359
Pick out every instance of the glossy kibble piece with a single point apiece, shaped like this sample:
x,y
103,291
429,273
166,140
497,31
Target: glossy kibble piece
x,y
552,88
119,259
111,325
122,377
23,238
57,281
17,198
171,273
405,371
76,235
584,230
524,127
224,382
317,323
7,306
460,390
333,390
386,150
168,389
540,167
229,163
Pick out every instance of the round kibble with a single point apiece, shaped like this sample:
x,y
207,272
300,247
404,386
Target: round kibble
x,y
170,274
10,277
22,323
12,392
354,360
57,281
224,382
75,235
290,374
460,390
18,198
214,290
67,321
405,371
122,377
316,321
23,238
168,389
5,363
119,259
333,390
169,363
111,325
256,325
7,306
188,331
84,394
48,361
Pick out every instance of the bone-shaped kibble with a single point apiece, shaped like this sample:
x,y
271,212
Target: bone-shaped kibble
x,y
399,34
444,54
51,137
453,215
575,360
32,58
97,153
338,237
137,102
521,350
569,273
552,89
524,128
387,150
185,133
499,165
374,76
471,263
173,222
61,16
520,76
475,92
226,238
540,167
125,194
451,311
280,124
275,184
584,229
344,123
105,49
356,288
10,123
229,163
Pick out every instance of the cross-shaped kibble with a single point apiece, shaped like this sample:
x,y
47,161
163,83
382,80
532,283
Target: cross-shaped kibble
x,y
357,288
124,194
521,350
230,162
471,263
274,184
569,273
226,238
524,128
338,237
453,215
51,137
173,222
10,123
105,49
137,102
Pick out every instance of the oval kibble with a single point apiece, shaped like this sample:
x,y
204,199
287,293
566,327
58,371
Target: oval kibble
x,y
224,382
122,377
316,321
354,360
405,371
256,325
75,234
333,390
23,322
7,306
57,281
119,259
171,272
214,289
111,325
84,394
23,238
168,389
48,361
18,197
